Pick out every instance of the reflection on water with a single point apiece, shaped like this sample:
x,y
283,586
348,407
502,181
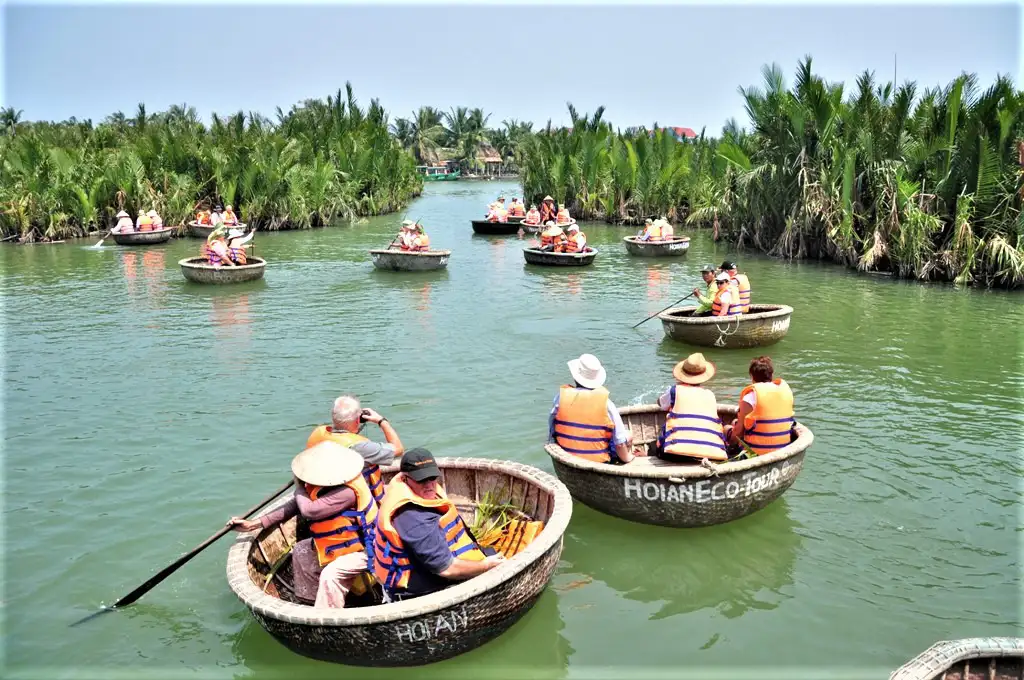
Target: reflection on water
x,y
533,648
659,282
573,284
232,325
734,567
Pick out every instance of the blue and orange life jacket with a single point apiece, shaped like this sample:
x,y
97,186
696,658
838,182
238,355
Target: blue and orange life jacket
x,y
391,564
734,307
693,427
371,473
769,425
582,424
348,531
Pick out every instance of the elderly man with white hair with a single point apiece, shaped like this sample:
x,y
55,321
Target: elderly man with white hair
x,y
347,418
585,422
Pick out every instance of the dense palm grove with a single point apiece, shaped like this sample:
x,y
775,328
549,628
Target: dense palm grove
x,y
322,160
924,184
921,184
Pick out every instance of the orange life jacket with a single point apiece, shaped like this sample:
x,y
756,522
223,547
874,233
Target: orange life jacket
x,y
391,565
371,473
421,243
741,286
532,217
582,424
653,231
516,210
237,254
563,216
768,426
229,217
498,214
348,531
692,427
203,217
552,235
145,223
716,306
575,242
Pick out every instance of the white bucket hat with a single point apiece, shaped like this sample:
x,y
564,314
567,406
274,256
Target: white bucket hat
x,y
327,464
572,227
235,233
588,371
722,276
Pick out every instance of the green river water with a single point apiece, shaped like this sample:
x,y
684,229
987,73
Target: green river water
x,y
140,412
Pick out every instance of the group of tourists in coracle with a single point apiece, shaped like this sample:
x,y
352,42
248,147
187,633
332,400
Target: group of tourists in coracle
x,y
585,422
498,212
561,234
727,291
657,230
406,535
146,221
226,246
412,238
218,216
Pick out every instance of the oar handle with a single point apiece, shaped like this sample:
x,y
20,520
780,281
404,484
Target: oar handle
x,y
662,310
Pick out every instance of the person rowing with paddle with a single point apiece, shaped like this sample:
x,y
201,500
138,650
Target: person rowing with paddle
x,y
706,301
124,223
548,210
331,494
405,237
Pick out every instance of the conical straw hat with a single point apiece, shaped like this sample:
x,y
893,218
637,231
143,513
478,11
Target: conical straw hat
x,y
327,464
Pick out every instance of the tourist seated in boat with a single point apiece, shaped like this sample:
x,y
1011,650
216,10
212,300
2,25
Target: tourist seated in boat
x,y
765,419
406,236
584,421
420,242
498,213
575,241
724,302
203,217
422,544
237,242
552,238
333,497
143,222
740,284
532,216
707,273
651,232
516,209
124,223
229,217
216,217
564,217
347,422
668,232
548,210
692,429
158,222
215,250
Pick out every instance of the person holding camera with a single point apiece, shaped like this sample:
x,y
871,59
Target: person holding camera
x,y
347,421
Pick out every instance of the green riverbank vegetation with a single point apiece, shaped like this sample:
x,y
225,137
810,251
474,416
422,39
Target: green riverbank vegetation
x,y
320,161
922,183
460,134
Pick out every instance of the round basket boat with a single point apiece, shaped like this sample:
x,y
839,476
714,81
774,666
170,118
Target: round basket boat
x,y
653,491
516,219
764,325
425,629
404,261
999,658
536,256
142,238
672,248
204,230
199,270
532,228
495,228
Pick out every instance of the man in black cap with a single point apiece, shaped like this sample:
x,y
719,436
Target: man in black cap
x,y
740,285
707,273
422,545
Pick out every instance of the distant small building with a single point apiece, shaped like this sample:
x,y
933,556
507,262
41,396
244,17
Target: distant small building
x,y
680,133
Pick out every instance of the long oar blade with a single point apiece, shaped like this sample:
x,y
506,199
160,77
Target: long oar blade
x,y
172,567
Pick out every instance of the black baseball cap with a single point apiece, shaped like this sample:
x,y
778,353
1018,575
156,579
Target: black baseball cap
x,y
728,264
419,464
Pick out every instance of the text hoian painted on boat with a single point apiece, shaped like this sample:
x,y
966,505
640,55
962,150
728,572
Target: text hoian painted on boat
x,y
425,629
704,490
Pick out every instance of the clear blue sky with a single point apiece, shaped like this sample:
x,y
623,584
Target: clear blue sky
x,y
674,64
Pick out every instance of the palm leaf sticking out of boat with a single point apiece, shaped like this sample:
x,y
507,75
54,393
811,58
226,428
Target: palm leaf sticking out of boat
x,y
498,527
277,565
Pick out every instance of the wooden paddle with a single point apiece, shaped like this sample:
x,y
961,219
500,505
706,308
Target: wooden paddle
x,y
660,311
174,566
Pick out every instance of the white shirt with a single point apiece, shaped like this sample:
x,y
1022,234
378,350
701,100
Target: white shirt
x,y
215,218
751,398
726,298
